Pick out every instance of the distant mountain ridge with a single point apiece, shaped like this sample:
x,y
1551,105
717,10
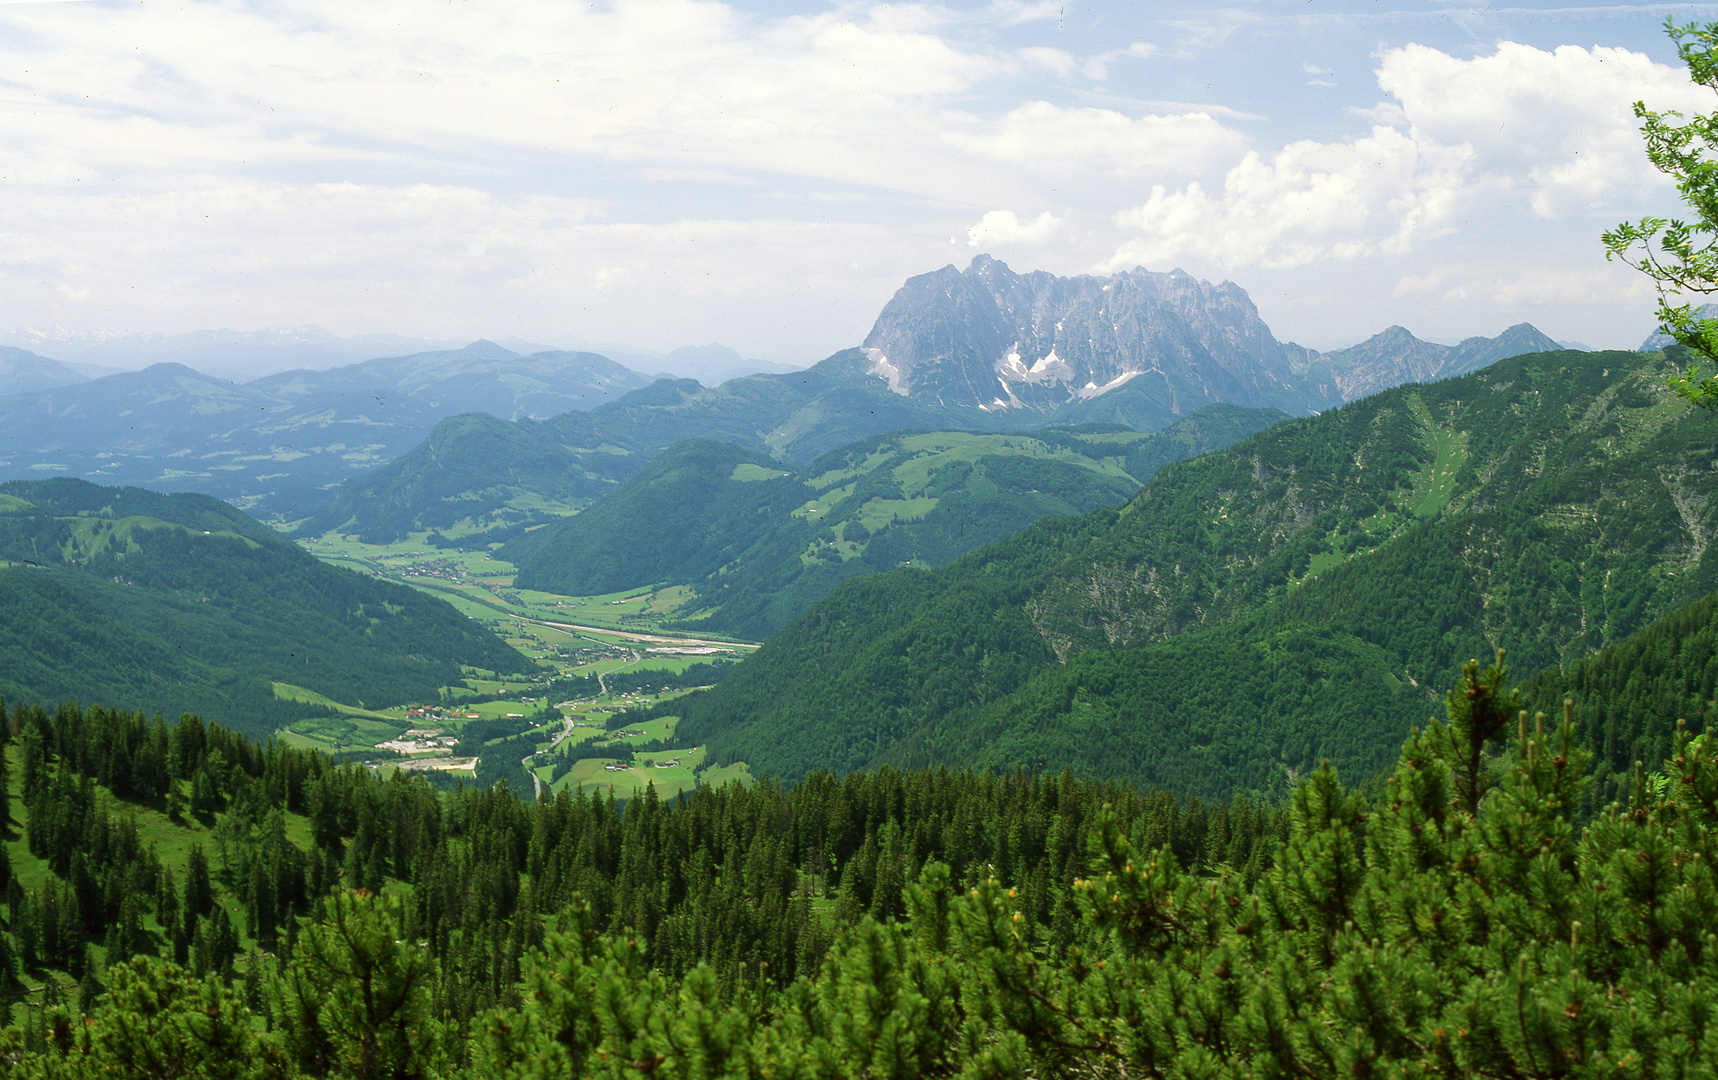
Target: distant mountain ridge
x,y
990,338
280,443
980,350
1394,356
23,372
241,353
1658,339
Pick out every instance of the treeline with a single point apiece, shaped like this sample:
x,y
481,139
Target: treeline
x,y
1458,926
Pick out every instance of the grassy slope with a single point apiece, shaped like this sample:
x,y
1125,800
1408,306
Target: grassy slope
x,y
758,545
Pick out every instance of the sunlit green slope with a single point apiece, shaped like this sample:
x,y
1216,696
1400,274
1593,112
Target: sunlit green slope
x,y
1253,611
759,543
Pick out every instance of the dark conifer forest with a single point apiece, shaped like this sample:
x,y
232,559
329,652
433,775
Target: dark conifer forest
x,y
189,902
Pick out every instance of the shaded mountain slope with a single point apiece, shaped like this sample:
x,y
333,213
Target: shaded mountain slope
x,y
58,646
229,604
693,497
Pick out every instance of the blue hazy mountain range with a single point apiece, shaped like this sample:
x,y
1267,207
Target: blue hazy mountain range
x,y
980,349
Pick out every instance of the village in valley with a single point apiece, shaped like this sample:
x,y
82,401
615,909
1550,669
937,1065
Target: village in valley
x,y
566,723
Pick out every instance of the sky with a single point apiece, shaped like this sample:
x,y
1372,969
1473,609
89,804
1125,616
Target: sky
x,y
672,172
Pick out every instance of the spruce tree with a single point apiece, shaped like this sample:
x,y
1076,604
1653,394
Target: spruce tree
x,y
199,889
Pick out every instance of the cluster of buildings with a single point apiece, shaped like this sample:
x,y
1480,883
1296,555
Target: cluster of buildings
x,y
445,569
420,741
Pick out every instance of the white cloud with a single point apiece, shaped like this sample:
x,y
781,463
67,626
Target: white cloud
x,y
1002,228
1550,128
1059,61
1554,125
855,94
353,257
1050,138
1311,201
1526,283
341,163
1015,12
1098,67
210,163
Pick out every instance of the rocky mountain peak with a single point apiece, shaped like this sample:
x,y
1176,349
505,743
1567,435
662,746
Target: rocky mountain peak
x,y
995,339
991,338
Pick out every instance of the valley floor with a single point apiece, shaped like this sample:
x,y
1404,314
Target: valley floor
x,y
574,641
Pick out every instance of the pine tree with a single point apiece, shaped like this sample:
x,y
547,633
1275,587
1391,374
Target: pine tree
x,y
204,798
199,889
355,988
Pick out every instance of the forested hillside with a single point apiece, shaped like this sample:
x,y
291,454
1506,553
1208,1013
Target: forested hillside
x,y
143,839
187,603
1552,501
183,902
759,544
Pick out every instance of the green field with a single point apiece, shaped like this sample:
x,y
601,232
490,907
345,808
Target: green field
x,y
289,692
1436,483
481,586
669,781
347,732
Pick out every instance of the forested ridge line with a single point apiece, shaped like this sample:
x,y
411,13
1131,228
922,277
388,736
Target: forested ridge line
x,y
186,603
1457,924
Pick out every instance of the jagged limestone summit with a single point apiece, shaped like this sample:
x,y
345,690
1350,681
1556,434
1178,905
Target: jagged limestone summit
x,y
992,339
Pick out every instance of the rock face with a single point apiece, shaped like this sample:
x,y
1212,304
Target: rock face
x,y
998,340
1658,339
992,338
1394,357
